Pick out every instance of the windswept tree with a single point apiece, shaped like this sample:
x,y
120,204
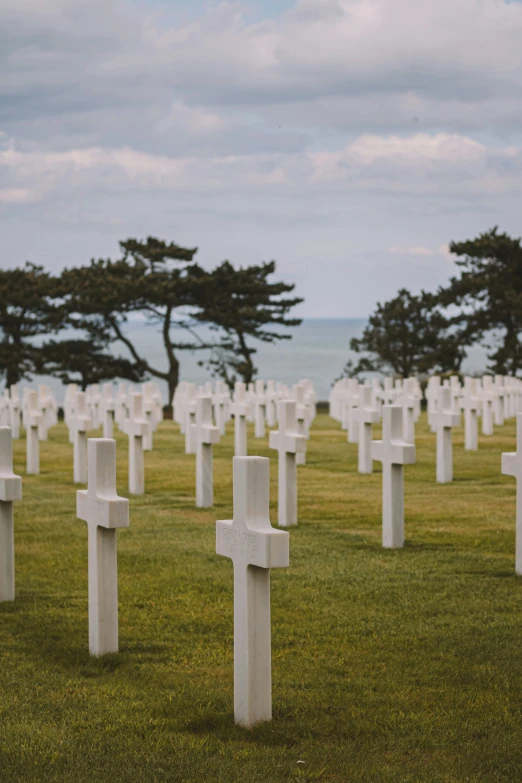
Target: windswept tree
x,y
85,362
242,304
29,311
409,335
153,278
488,295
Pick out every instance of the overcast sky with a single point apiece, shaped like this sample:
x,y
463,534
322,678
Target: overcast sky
x,y
350,140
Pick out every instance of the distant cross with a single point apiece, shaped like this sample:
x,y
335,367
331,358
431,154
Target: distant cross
x,y
488,400
259,409
512,466
367,415
254,548
240,409
136,427
149,407
10,490
301,418
33,420
108,407
498,410
288,443
470,402
351,405
190,418
271,404
221,406
409,406
205,435
444,420
104,511
80,423
394,453
15,412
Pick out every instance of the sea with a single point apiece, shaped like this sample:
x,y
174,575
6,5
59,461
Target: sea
x,y
318,350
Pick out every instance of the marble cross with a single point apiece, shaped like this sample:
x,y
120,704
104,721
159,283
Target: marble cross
x,y
104,511
80,423
470,402
240,409
512,466
393,453
190,418
148,411
498,409
205,436
367,416
221,406
301,418
136,427
10,490
108,407
409,405
254,548
15,412
259,409
288,443
33,420
444,420
271,404
488,396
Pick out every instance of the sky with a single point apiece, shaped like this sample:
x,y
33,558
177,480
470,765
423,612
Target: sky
x,y
349,140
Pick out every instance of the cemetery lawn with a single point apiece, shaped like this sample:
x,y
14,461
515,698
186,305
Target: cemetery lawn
x,y
387,665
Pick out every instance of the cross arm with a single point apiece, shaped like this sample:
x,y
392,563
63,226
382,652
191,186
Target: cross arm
x,y
102,512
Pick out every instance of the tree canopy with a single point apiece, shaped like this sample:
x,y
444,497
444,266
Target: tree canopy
x,y
409,335
488,296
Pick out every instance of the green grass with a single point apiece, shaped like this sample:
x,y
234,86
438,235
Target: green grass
x,y
387,665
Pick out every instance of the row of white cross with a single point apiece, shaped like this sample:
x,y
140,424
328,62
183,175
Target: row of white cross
x,y
248,539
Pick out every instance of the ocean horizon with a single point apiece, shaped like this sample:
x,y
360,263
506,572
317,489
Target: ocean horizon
x,y
318,350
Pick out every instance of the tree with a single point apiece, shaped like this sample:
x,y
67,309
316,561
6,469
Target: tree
x,y
488,294
86,362
242,303
409,335
152,278
28,311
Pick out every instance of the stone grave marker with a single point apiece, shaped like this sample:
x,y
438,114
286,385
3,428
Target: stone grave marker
x,y
104,511
240,411
288,443
33,420
445,419
368,416
10,490
393,453
512,466
136,427
254,548
205,436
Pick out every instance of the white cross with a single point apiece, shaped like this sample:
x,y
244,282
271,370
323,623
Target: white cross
x,y
409,405
108,407
301,418
10,490
254,548
104,511
80,422
190,418
367,416
205,436
488,397
136,427
259,409
512,466
240,409
33,420
221,404
394,453
470,402
15,412
288,443
444,419
499,400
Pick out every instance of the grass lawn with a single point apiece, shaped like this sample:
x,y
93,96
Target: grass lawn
x,y
387,665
